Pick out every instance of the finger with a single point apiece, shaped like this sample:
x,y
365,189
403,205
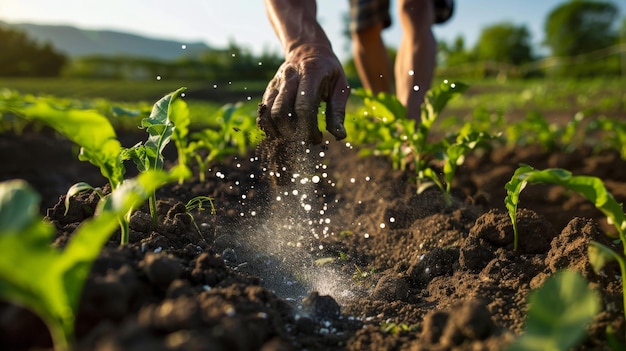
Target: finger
x,y
282,111
264,118
307,103
336,109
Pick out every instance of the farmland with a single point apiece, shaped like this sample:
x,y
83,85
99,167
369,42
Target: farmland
x,y
361,248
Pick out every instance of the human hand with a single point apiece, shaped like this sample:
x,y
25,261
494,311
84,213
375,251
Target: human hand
x,y
309,75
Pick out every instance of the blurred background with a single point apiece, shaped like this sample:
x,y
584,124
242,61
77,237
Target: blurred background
x,y
226,51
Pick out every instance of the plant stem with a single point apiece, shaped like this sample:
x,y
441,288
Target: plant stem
x,y
124,231
60,336
622,267
153,209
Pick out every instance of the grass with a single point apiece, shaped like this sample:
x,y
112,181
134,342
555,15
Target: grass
x,y
133,90
598,96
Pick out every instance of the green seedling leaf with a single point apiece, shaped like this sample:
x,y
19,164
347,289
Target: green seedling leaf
x,y
385,106
558,313
19,206
73,190
89,129
179,115
600,255
133,192
438,97
513,188
119,111
455,154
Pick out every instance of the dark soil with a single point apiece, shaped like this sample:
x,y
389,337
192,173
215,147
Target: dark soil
x,y
264,274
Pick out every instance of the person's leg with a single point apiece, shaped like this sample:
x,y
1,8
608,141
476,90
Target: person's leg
x,y
415,61
369,18
371,59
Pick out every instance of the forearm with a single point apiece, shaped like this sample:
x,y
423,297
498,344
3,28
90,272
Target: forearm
x,y
295,23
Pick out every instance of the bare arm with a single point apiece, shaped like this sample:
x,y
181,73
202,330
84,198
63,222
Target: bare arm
x,y
295,23
310,74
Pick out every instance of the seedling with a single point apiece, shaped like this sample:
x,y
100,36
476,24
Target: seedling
x,y
360,274
593,189
160,127
196,204
46,280
234,133
535,129
453,156
406,142
394,328
613,134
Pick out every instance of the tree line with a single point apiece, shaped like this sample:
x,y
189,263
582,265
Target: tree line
x,y
584,37
20,56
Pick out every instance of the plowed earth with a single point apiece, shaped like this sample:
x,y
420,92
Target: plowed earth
x,y
331,271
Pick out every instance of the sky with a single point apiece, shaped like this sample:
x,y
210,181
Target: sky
x,y
218,22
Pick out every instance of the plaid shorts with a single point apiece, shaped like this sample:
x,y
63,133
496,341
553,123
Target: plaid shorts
x,y
366,13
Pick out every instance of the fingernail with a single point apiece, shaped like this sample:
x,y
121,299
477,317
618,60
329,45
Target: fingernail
x,y
340,131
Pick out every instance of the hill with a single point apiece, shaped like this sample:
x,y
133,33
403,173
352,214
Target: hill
x,y
77,42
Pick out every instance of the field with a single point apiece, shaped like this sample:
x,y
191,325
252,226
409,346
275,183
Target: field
x,y
353,253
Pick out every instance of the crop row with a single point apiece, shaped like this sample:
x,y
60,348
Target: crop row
x,y
50,281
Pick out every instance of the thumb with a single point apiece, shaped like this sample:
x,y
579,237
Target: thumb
x,y
336,109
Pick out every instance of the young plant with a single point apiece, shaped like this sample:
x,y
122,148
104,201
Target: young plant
x,y
613,134
405,141
161,128
235,132
535,129
98,142
558,313
593,189
453,156
44,279
197,204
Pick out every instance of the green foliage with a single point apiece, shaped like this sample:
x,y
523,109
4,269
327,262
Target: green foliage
x,y
612,134
581,27
454,156
99,145
382,123
504,43
161,128
578,27
46,280
216,65
558,313
197,203
87,128
24,57
395,328
592,188
534,129
234,131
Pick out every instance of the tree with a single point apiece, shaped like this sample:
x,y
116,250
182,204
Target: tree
x,y
21,56
504,43
580,26
455,53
